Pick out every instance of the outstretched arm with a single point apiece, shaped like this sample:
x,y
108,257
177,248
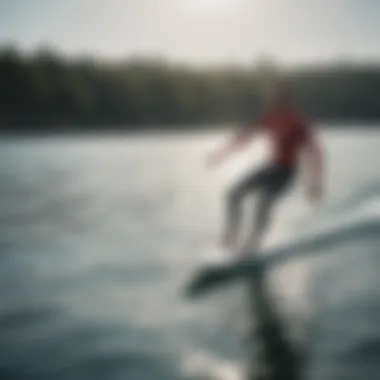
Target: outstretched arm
x,y
238,140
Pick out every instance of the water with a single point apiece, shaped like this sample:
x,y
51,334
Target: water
x,y
98,236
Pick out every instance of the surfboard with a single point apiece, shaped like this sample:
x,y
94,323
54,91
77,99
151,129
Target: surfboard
x,y
212,277
215,276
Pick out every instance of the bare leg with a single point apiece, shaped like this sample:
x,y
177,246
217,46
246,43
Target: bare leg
x,y
233,217
234,199
263,212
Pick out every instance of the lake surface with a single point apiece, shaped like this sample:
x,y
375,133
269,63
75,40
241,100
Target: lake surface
x,y
98,236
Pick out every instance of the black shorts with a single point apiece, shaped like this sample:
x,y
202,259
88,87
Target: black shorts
x,y
271,181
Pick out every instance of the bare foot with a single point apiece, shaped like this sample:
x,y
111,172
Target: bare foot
x,y
245,252
249,248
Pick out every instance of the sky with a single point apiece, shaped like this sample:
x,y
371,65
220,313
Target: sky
x,y
198,31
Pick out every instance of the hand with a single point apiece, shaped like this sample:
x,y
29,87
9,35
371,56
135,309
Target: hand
x,y
213,160
315,193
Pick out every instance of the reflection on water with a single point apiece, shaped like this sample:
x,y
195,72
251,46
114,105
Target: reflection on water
x,y
98,236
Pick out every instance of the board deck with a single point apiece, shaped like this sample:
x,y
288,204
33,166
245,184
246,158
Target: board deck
x,y
215,276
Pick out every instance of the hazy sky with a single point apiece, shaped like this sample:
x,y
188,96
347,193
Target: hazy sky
x,y
214,31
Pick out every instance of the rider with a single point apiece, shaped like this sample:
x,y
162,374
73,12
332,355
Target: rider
x,y
289,135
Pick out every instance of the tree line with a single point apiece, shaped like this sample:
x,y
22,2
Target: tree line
x,y
45,91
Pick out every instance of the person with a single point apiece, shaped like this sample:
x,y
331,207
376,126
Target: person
x,y
289,135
